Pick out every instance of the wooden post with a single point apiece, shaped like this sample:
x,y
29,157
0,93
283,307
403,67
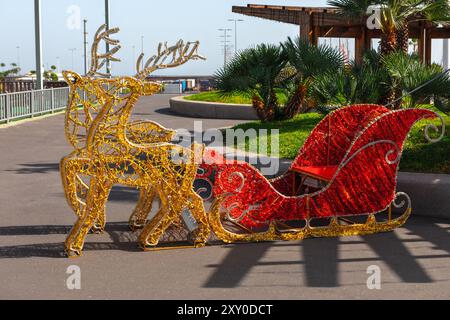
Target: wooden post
x,y
428,45
421,44
314,38
360,45
305,26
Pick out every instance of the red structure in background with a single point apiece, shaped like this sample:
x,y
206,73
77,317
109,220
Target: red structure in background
x,y
13,85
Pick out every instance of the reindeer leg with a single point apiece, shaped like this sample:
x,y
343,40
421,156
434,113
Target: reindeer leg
x,y
96,199
143,208
152,231
69,168
198,211
100,222
154,234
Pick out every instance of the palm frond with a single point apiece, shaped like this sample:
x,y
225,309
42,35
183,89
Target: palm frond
x,y
352,8
309,60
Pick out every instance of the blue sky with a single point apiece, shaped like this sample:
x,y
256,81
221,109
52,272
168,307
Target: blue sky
x,y
157,21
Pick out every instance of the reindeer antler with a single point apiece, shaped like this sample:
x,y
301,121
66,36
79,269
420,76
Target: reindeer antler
x,y
179,54
103,34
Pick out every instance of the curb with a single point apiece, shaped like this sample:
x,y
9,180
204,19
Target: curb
x,y
430,193
212,110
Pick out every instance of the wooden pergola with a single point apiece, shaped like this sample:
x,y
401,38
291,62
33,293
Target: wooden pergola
x,y
316,22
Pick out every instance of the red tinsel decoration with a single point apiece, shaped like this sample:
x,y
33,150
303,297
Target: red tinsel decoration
x,y
355,149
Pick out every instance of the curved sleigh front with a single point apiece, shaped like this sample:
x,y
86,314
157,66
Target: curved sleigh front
x,y
352,157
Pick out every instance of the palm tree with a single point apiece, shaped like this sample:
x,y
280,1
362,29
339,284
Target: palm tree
x,y
424,81
363,82
255,73
368,82
394,17
308,62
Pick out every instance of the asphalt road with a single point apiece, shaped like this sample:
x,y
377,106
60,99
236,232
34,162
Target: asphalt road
x,y
414,261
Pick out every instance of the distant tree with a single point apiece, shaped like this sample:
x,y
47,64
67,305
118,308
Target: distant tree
x,y
50,76
9,72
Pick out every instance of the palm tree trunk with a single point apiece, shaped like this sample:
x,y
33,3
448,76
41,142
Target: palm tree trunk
x,y
403,38
388,42
389,45
394,94
296,103
266,112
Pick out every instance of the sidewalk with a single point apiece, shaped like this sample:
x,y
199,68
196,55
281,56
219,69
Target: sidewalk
x,y
34,220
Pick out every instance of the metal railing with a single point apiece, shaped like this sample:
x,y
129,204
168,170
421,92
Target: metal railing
x,y
28,104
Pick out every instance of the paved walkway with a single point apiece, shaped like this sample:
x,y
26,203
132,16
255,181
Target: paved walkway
x,y
34,220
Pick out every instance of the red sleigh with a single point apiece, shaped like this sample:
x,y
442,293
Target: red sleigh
x,y
346,169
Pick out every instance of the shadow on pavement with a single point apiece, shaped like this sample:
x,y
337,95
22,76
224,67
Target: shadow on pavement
x,y
165,111
30,168
321,257
119,193
116,231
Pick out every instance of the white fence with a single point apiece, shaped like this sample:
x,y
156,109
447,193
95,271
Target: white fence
x,y
28,104
173,88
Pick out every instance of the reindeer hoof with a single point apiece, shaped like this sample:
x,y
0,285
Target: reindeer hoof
x,y
72,253
148,246
97,229
199,244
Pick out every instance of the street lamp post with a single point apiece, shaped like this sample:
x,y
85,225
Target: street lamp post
x,y
133,48
235,32
18,56
38,44
85,43
73,52
225,45
142,51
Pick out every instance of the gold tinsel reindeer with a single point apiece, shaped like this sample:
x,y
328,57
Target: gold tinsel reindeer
x,y
110,149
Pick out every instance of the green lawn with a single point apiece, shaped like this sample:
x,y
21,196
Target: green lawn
x,y
418,156
215,96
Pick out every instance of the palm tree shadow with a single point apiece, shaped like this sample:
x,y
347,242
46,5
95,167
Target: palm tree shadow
x,y
321,259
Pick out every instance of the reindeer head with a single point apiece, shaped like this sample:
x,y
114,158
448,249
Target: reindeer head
x,y
87,94
90,93
166,57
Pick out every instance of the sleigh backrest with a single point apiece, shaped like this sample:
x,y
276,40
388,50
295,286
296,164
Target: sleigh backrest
x,y
366,179
329,142
393,126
